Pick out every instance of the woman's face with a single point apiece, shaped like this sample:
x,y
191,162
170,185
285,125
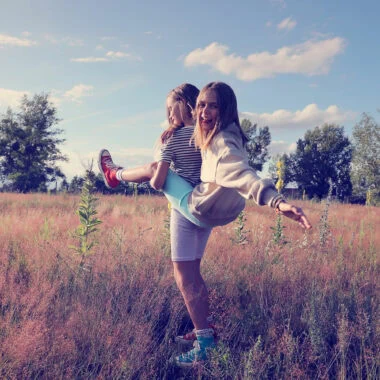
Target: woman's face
x,y
176,110
207,110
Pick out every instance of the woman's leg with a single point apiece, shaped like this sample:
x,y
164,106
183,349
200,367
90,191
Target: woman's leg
x,y
140,174
188,243
194,291
114,174
177,191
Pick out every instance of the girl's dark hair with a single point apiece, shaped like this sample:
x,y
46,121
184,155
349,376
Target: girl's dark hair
x,y
187,93
228,114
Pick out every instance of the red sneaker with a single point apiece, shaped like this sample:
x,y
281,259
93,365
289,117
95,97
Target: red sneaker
x,y
108,169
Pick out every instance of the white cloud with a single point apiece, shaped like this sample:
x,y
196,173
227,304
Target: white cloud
x,y
309,117
78,92
107,38
120,54
26,34
287,24
6,40
309,58
69,41
109,56
11,98
89,59
117,54
268,24
280,147
55,97
99,47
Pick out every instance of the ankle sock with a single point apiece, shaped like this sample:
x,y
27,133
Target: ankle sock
x,y
119,174
205,333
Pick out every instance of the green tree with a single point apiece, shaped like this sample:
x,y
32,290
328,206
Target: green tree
x,y
29,143
257,146
365,170
324,153
76,185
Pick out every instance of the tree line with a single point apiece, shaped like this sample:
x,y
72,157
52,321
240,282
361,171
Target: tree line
x,y
30,153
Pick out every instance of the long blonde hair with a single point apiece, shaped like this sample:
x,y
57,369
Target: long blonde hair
x,y
228,114
188,94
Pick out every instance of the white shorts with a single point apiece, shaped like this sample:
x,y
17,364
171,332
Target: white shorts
x,y
188,241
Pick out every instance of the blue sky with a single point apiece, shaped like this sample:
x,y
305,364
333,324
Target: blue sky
x,y
108,67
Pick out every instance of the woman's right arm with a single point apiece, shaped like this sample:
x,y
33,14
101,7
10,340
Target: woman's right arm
x,y
159,176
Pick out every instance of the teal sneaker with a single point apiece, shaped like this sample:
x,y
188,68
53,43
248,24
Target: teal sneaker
x,y
198,354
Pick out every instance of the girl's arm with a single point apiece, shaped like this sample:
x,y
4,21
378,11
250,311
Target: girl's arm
x,y
293,212
159,176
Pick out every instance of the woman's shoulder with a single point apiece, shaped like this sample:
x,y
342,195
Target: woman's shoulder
x,y
229,136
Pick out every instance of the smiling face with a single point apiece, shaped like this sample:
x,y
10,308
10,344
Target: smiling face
x,y
207,110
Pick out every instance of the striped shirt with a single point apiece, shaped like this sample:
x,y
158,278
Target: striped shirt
x,y
184,158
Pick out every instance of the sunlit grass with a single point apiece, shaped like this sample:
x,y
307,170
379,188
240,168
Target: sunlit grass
x,y
292,311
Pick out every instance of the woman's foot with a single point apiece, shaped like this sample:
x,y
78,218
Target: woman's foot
x,y
108,169
205,341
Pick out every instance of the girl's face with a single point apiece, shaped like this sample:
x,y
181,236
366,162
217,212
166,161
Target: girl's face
x,y
207,110
176,110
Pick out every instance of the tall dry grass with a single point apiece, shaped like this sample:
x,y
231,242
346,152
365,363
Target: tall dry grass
x,y
300,310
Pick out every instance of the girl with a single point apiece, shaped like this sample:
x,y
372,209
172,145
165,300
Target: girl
x,y
188,240
227,180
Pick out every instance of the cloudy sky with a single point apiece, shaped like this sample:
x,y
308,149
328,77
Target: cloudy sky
x,y
108,66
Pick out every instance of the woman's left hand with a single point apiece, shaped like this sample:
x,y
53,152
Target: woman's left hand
x,y
295,213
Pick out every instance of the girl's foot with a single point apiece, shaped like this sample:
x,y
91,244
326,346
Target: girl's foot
x,y
198,354
108,169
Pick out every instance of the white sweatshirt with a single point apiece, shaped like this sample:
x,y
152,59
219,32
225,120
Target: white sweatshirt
x,y
227,180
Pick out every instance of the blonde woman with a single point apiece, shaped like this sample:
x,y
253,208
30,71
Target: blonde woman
x,y
227,181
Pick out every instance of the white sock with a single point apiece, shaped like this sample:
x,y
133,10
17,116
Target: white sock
x,y
118,174
206,333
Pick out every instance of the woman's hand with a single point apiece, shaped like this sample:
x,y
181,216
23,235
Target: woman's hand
x,y
295,213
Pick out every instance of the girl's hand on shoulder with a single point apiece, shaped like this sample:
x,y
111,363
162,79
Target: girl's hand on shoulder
x,y
295,213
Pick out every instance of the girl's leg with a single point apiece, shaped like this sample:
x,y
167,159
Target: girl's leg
x,y
114,174
140,174
188,243
177,191
194,291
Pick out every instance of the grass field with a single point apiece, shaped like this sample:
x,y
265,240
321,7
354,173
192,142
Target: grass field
x,y
305,309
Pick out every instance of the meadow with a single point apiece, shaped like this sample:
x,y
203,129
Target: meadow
x,y
306,308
